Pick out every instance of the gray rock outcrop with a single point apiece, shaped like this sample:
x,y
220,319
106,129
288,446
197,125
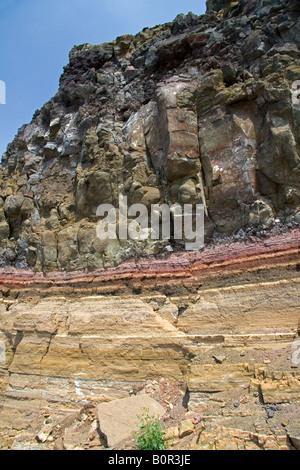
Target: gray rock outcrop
x,y
199,110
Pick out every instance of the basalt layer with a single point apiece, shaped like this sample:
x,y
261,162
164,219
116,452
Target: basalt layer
x,y
200,110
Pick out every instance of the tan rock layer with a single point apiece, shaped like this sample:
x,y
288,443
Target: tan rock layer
x,y
69,339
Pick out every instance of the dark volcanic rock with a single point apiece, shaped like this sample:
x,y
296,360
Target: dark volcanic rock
x,y
203,109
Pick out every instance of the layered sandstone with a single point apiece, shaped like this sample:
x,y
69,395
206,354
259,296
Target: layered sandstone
x,y
215,322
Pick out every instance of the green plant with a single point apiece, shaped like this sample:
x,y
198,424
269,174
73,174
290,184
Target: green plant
x,y
151,435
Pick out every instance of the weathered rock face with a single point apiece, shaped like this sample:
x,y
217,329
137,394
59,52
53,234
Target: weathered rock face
x,y
199,110
216,332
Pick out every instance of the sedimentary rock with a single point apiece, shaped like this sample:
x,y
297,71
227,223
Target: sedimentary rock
x,y
76,338
120,419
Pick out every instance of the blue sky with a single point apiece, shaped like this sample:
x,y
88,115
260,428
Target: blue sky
x,y
36,37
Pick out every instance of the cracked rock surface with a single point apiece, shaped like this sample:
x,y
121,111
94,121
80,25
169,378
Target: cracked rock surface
x,y
198,110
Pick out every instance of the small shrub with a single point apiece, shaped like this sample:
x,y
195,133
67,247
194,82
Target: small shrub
x,y
151,435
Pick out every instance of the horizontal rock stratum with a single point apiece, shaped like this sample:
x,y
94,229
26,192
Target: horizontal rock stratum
x,y
199,110
77,339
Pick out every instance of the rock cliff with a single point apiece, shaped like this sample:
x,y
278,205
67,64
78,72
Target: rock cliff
x,y
199,110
